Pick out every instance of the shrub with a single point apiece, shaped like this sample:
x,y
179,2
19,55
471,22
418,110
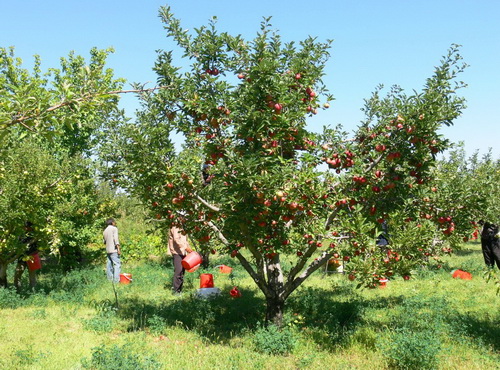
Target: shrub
x,y
115,357
157,324
272,340
9,298
28,357
413,350
103,322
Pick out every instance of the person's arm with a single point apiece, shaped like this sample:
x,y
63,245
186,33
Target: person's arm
x,y
187,248
117,241
170,243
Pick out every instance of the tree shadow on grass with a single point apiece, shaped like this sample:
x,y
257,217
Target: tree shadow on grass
x,y
217,319
486,331
331,317
467,252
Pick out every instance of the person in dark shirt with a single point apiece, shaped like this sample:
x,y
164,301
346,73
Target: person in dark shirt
x,y
490,244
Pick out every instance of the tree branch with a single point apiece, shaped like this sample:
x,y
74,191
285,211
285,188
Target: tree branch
x,y
206,204
316,264
256,278
218,232
22,119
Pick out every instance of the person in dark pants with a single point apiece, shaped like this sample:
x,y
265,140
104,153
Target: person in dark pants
x,y
490,244
178,247
31,249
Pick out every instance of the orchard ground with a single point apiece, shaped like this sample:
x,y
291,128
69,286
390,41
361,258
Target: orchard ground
x,y
431,321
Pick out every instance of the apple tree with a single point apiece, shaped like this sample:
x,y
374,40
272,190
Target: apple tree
x,y
49,125
69,101
272,189
29,183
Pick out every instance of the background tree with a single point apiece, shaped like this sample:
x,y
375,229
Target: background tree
x,y
49,125
242,109
70,100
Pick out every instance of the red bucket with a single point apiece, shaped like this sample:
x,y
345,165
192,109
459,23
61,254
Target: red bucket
x,y
34,263
191,260
125,278
206,281
194,268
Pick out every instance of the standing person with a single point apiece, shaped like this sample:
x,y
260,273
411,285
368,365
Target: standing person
x,y
31,249
490,244
113,251
178,247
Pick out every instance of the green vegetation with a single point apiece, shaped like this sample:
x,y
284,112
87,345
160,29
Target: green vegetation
x,y
431,321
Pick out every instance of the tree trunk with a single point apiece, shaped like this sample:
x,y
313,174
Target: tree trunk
x,y
275,309
205,259
275,299
3,274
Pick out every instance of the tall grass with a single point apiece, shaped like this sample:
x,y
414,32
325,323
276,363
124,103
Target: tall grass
x,y
73,321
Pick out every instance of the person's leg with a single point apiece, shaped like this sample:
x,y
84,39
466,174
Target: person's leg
x,y
109,267
486,246
178,279
495,252
32,278
115,266
18,273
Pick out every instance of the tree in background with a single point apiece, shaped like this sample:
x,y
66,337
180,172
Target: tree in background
x,y
242,109
467,191
49,125
69,101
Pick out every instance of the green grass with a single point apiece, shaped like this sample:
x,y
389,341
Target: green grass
x,y
431,321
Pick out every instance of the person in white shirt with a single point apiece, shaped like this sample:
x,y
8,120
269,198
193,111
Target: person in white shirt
x,y
112,243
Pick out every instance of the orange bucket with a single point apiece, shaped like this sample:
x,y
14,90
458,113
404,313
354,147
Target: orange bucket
x,y
225,269
125,278
191,260
34,263
206,281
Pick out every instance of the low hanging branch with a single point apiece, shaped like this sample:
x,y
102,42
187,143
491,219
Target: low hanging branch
x,y
20,120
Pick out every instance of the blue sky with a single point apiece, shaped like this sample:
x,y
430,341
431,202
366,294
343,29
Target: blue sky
x,y
385,41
